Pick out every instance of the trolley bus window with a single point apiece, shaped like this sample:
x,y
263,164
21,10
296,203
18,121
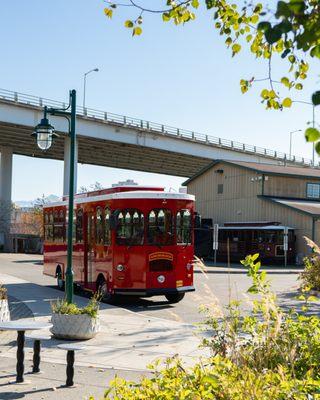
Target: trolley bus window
x,y
107,230
58,226
79,226
160,227
99,226
130,227
48,227
183,227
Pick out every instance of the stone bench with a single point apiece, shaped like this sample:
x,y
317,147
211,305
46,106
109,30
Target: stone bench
x,y
70,348
36,350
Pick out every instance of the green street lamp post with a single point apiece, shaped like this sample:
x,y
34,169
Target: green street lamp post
x,y
44,133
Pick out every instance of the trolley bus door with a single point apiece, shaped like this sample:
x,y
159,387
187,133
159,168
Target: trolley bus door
x,y
89,249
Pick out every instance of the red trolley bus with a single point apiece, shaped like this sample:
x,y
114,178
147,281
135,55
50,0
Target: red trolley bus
x,y
127,241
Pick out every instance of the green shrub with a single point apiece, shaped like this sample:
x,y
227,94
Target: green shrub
x,y
310,277
261,355
220,379
61,306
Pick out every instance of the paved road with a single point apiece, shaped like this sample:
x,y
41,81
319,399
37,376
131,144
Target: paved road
x,y
213,289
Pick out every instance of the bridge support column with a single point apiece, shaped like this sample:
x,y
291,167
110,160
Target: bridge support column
x,y
5,197
66,176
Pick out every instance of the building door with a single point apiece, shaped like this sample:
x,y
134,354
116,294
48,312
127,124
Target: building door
x,y
89,250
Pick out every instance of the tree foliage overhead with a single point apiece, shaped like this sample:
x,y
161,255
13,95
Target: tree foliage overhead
x,y
290,31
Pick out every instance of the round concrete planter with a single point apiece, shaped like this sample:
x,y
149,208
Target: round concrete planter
x,y
78,327
4,311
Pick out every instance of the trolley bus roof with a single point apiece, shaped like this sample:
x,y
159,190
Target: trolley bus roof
x,y
126,195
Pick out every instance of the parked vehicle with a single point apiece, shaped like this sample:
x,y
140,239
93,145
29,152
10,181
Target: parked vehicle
x,y
241,239
127,241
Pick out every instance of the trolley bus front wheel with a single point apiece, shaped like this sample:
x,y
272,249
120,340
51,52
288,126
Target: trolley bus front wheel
x,y
174,297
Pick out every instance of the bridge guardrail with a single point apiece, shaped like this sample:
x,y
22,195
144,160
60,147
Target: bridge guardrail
x,y
149,126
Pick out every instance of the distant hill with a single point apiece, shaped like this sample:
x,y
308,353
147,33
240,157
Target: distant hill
x,y
30,203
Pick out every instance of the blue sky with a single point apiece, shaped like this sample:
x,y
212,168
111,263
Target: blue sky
x,y
181,76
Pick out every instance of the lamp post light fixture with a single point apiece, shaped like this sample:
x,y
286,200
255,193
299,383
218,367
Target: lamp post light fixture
x,y
85,84
44,133
290,148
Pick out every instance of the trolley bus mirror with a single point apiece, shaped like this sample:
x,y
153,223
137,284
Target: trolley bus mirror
x,y
197,220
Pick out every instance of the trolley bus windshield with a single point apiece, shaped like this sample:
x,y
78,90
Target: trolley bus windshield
x,y
130,227
160,229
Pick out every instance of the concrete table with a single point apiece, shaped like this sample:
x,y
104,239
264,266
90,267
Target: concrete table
x,y
21,327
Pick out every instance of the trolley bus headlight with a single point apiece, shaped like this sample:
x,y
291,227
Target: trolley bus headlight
x,y
189,266
120,268
161,279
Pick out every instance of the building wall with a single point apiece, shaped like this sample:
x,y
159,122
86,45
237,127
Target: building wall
x,y
239,201
284,186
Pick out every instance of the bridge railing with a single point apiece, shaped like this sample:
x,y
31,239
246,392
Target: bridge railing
x,y
122,120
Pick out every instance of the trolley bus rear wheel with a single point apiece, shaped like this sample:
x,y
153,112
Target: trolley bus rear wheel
x,y
102,287
174,297
60,281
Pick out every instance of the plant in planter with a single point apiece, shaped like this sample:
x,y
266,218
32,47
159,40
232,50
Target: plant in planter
x,y
72,322
4,306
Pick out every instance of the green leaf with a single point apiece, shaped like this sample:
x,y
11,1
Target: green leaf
x,y
285,81
252,289
210,4
312,134
287,102
236,48
317,147
285,53
166,17
128,24
273,35
264,26
316,98
285,26
292,59
297,6
315,51
283,10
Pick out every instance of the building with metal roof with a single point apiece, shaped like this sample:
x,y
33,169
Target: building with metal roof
x,y
248,191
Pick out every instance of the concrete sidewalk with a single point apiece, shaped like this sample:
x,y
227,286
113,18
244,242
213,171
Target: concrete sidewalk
x,y
128,341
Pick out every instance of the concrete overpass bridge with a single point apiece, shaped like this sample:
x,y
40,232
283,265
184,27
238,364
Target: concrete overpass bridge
x,y
112,140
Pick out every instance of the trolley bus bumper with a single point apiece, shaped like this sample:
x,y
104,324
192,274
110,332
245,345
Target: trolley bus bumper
x,y
154,292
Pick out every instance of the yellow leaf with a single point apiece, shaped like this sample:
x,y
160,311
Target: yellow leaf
x,y
108,12
287,102
137,31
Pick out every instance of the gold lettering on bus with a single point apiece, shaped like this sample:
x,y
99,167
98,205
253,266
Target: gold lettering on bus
x,y
160,255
